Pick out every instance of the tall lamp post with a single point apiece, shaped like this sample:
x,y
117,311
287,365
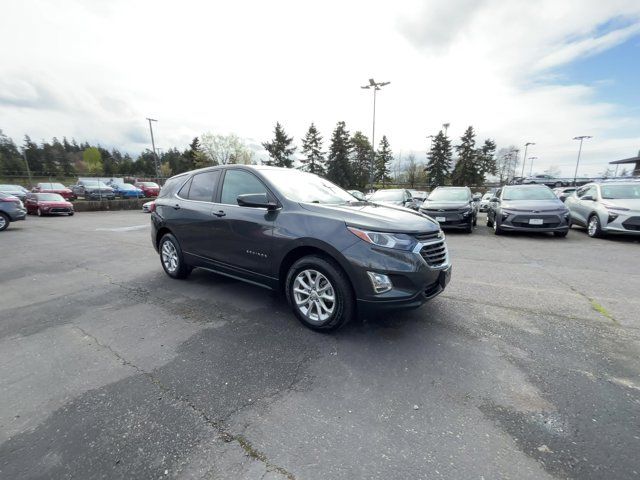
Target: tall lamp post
x,y
524,158
446,127
531,165
375,86
581,138
153,145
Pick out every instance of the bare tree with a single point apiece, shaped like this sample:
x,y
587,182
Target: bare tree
x,y
225,149
412,170
553,171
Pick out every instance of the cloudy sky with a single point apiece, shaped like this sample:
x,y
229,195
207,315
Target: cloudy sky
x,y
518,71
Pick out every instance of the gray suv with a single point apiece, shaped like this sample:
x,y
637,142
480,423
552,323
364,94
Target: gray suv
x,y
11,210
612,207
332,254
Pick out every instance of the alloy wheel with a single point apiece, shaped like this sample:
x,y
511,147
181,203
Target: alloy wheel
x,y
169,257
593,226
314,295
3,222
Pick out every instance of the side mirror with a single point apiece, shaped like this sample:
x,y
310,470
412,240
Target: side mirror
x,y
588,197
256,200
495,200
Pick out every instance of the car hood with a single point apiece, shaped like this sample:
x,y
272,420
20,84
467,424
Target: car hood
x,y
531,205
630,203
377,217
435,205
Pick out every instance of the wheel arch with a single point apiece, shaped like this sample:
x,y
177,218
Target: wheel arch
x,y
312,248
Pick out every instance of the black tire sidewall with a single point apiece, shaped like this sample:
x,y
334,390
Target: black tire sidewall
x,y
345,304
7,221
183,270
598,232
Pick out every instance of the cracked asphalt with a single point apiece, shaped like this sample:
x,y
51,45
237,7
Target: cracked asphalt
x,y
526,367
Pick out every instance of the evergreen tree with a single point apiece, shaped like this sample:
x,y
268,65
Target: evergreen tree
x,y
381,170
439,160
487,159
11,161
467,170
313,161
338,166
361,160
280,149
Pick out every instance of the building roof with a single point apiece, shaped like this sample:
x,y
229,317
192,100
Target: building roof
x,y
626,160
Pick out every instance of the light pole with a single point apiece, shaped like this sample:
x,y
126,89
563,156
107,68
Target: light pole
x,y
524,158
531,165
26,162
446,127
375,86
581,138
153,145
515,152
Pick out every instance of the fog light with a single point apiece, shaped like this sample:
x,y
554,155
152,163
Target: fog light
x,y
380,283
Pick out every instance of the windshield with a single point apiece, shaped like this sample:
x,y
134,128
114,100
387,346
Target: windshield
x,y
307,188
149,184
11,188
611,192
487,196
450,195
387,196
528,193
52,186
95,184
50,197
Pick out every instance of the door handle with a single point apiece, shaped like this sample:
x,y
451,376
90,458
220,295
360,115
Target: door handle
x,y
176,206
219,213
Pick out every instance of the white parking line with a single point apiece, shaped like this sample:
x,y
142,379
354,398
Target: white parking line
x,y
123,229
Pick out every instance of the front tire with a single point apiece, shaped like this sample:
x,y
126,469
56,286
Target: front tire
x,y
320,294
496,228
4,221
171,257
39,212
594,229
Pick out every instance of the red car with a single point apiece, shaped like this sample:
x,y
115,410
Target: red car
x,y
48,204
47,187
150,189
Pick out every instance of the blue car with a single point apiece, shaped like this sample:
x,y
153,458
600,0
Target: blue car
x,y
126,190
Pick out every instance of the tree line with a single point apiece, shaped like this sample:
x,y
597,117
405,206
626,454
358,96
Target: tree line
x,y
349,161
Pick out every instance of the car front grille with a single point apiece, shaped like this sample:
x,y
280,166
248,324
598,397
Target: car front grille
x,y
434,253
424,237
548,221
632,223
60,210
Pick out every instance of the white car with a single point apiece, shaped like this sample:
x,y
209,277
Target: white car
x,y
149,207
606,208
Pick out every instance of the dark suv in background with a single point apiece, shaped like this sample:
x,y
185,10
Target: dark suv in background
x,y
288,230
452,207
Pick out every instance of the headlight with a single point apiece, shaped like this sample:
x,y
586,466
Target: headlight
x,y
398,241
465,211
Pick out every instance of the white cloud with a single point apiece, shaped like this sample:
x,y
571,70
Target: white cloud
x,y
95,70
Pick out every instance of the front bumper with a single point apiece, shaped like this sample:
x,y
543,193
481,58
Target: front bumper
x,y
626,223
451,219
98,196
417,276
18,214
521,222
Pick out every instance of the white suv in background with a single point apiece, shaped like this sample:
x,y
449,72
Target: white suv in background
x,y
612,207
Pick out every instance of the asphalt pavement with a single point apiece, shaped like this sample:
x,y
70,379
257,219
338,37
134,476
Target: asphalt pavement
x,y
526,367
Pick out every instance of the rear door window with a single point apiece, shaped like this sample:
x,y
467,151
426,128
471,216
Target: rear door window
x,y
202,186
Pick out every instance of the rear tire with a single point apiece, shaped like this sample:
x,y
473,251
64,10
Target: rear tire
x,y
171,257
4,221
320,293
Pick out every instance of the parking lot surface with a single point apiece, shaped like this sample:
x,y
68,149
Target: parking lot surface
x,y
526,367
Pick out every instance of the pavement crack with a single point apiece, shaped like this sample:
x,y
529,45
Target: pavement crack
x,y
223,434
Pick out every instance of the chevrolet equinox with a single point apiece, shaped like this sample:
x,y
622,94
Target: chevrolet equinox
x,y
332,254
